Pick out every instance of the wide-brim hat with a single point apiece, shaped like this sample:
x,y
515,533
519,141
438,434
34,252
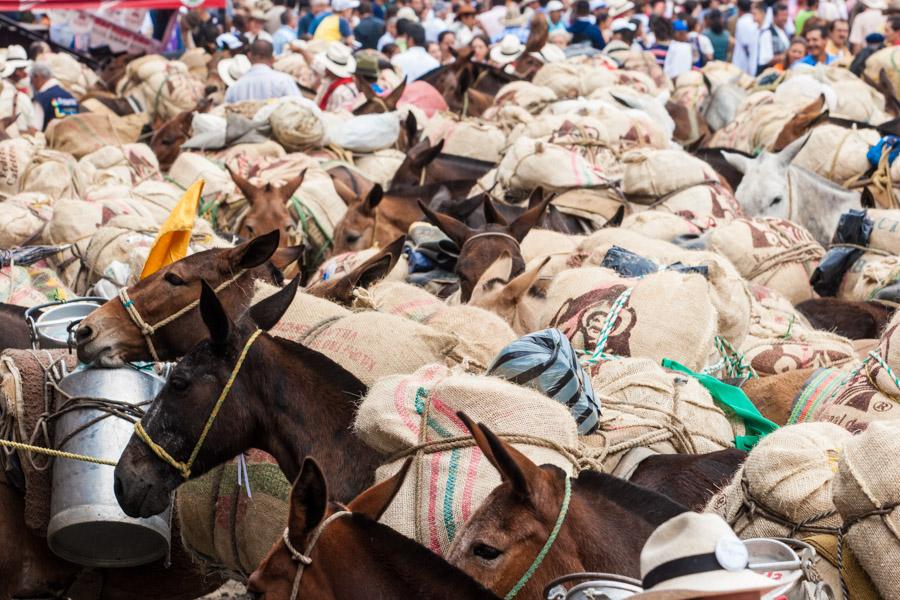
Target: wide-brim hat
x,y
257,15
508,50
555,5
232,69
16,58
338,60
697,555
6,68
407,13
620,8
875,4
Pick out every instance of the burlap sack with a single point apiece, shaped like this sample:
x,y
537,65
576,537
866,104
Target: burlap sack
x,y
53,173
885,59
529,164
786,481
482,334
719,72
241,156
837,153
478,140
586,135
380,166
402,413
74,76
885,235
22,218
401,299
296,127
645,63
594,247
867,482
150,199
706,205
665,315
800,350
129,165
868,274
650,174
757,123
630,128
772,252
165,88
525,94
660,225
15,154
81,134
294,65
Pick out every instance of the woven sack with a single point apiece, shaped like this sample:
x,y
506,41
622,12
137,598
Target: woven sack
x,y
482,334
150,199
664,315
651,173
800,350
473,139
165,88
128,164
776,253
15,154
660,225
706,205
297,127
75,77
533,98
868,274
837,153
866,481
380,166
445,486
73,221
295,66
594,247
401,299
719,72
529,164
885,235
787,477
81,134
22,218
887,60
561,77
858,101
53,173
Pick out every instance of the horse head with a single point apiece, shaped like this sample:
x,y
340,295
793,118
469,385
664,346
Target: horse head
x,y
169,136
340,289
356,230
268,206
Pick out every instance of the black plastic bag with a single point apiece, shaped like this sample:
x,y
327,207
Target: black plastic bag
x,y
628,264
854,227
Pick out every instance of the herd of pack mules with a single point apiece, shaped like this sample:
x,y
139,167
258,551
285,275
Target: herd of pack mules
x,y
296,403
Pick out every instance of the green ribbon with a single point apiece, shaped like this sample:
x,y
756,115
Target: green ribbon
x,y
732,400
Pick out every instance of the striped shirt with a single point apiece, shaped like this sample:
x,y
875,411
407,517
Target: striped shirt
x,y
262,82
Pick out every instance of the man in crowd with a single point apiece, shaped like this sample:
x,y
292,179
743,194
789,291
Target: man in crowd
x,y
816,37
51,101
255,29
774,40
370,27
874,43
14,102
465,26
619,45
870,20
584,27
491,21
261,82
415,61
555,22
837,44
17,60
437,21
336,67
316,8
287,33
335,26
746,36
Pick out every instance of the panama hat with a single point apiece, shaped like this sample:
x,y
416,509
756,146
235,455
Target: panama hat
x,y
16,58
232,69
554,6
338,60
697,555
508,50
620,8
622,25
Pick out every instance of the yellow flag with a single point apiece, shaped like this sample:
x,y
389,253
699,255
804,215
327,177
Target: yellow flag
x,y
175,234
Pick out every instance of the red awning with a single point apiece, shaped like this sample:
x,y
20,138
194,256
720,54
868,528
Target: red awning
x,y
45,5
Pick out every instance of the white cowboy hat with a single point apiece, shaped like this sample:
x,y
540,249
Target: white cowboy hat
x,y
622,24
6,69
697,555
513,17
508,50
554,6
16,58
338,60
550,53
232,69
875,4
619,8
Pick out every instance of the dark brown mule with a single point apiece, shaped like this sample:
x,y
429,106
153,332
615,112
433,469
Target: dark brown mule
x,y
468,87
168,136
478,249
425,163
114,70
604,526
340,289
374,103
855,320
286,400
352,555
351,185
268,207
110,337
13,330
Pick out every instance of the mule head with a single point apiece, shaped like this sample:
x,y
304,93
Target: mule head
x,y
409,135
340,290
479,249
169,136
417,158
183,408
109,337
356,231
374,103
503,537
268,206
763,190
519,300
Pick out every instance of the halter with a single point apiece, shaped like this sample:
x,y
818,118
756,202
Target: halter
x,y
185,467
489,234
148,330
303,558
563,511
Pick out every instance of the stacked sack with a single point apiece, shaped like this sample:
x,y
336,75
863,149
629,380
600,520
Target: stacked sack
x,y
164,88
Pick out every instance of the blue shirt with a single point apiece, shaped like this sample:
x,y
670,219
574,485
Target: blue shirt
x,y
316,20
583,30
304,23
262,82
809,59
284,36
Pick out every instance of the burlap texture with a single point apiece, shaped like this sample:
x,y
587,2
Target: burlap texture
x,y
380,166
73,220
651,173
22,218
706,205
152,200
867,480
776,253
444,487
296,127
660,225
525,94
53,173
529,164
165,88
128,164
15,154
789,475
477,139
868,274
74,76
885,59
482,334
885,235
401,299
837,153
81,134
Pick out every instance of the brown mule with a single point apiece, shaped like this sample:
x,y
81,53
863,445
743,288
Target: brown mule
x,y
110,337
854,320
170,135
374,103
340,290
350,555
268,207
602,523
425,163
285,399
13,329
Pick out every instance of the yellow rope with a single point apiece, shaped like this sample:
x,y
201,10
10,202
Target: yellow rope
x,y
56,453
185,467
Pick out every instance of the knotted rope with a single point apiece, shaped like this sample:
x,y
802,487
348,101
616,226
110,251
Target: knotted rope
x,y
304,559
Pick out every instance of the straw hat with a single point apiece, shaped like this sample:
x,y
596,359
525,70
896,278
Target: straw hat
x,y
16,58
338,60
257,15
508,50
622,25
619,7
554,6
232,69
697,555
407,13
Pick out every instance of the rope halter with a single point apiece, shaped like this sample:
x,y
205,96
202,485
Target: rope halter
x,y
147,330
185,467
545,550
304,559
499,234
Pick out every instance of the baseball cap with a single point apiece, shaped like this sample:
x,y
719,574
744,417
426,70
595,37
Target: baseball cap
x,y
622,24
679,25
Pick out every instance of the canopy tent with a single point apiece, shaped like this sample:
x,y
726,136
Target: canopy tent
x,y
45,5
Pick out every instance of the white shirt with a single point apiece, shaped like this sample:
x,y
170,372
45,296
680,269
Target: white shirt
x,y
766,47
263,35
414,63
866,22
434,27
384,40
24,108
679,59
491,21
262,82
746,45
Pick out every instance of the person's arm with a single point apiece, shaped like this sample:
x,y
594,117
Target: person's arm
x,y
346,32
856,39
597,40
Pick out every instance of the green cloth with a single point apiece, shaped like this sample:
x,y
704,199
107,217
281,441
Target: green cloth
x,y
733,400
801,19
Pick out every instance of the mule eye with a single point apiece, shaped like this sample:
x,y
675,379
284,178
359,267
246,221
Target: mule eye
x,y
486,552
352,238
490,283
777,200
180,384
174,279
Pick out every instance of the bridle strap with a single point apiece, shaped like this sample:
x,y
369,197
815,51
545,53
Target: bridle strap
x,y
563,511
490,234
148,330
304,559
185,467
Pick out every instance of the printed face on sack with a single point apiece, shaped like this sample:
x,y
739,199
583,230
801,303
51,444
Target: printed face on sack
x,y
582,319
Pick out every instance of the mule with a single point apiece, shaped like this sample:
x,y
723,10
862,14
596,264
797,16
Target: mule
x,y
169,136
854,320
774,395
340,289
425,163
384,564
284,399
468,87
773,187
110,337
268,207
714,157
605,522
720,106
374,103
14,332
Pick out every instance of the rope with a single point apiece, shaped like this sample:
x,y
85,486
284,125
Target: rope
x,y
751,506
185,467
56,453
304,558
799,253
611,318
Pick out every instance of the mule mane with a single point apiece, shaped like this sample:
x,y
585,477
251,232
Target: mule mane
x,y
321,365
650,506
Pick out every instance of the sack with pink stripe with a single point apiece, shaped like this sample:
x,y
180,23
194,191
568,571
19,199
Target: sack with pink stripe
x,y
531,163
415,415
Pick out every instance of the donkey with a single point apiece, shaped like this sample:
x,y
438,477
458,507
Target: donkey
x,y
721,104
268,206
110,337
425,163
384,563
13,330
605,522
774,187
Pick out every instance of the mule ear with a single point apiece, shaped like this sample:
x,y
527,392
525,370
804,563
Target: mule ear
x,y
412,130
491,215
309,500
394,96
787,156
288,189
522,283
247,189
363,86
464,208
285,257
528,219
454,229
346,194
513,466
267,312
707,82
616,219
536,197
427,156
256,251
374,197
214,316
801,122
375,500
738,161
